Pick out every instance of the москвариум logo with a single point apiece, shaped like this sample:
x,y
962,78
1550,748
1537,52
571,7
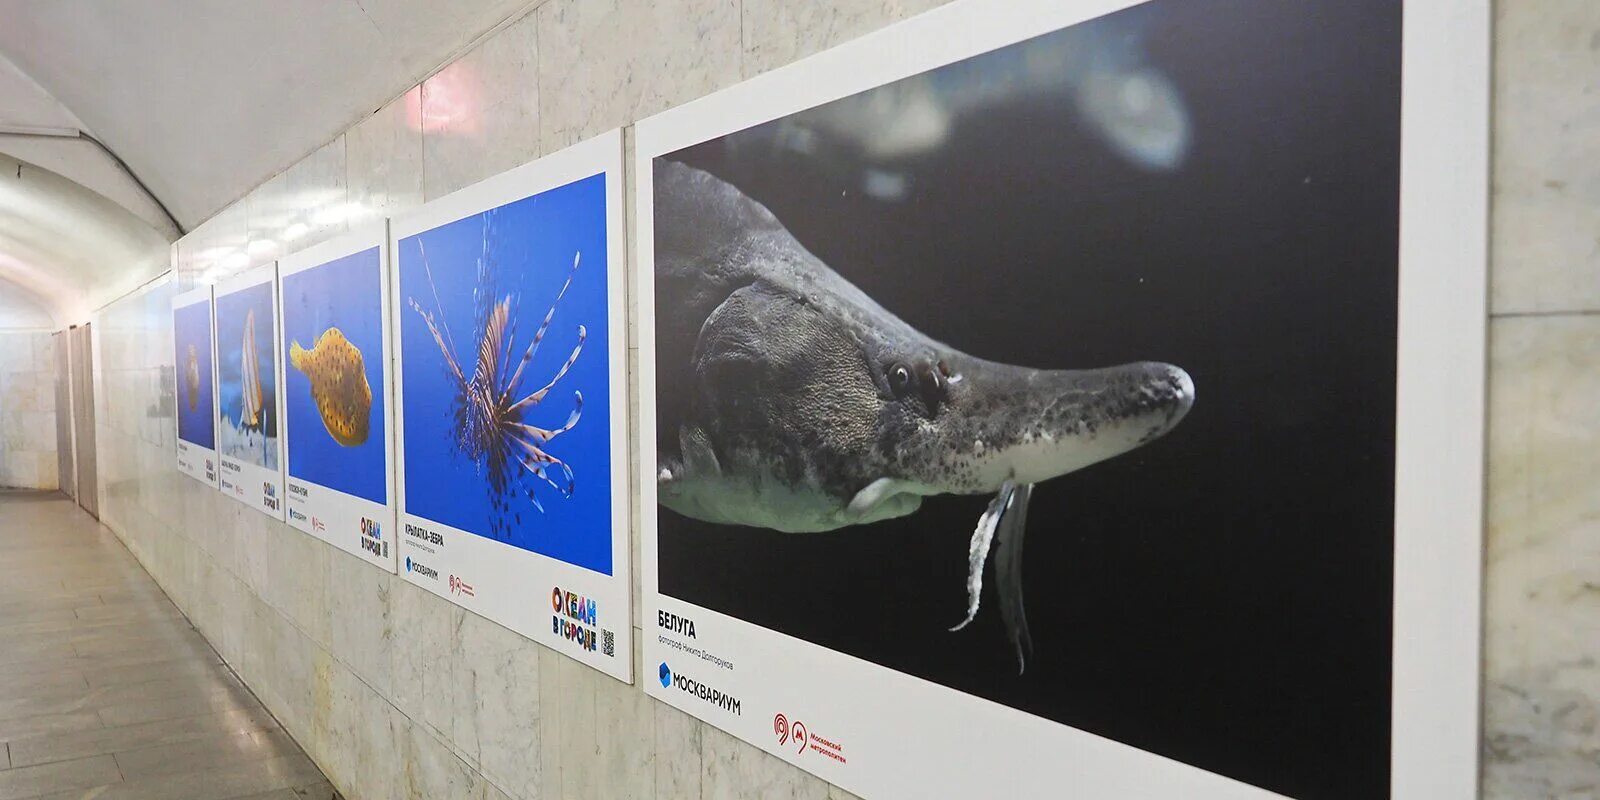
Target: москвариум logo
x,y
421,569
716,697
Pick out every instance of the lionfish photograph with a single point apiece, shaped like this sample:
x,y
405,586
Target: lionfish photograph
x,y
494,396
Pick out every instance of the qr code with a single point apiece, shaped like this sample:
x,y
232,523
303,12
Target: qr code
x,y
608,642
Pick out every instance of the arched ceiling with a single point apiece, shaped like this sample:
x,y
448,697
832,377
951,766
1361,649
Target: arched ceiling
x,y
202,100
71,247
21,308
26,106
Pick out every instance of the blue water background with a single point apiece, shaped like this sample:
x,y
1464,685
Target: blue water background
x,y
231,312
192,325
533,241
346,293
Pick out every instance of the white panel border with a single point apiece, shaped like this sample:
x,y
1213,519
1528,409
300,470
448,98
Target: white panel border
x,y
194,460
509,585
1439,435
328,514
268,498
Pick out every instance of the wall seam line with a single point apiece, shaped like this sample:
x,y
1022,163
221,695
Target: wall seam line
x,y
1551,314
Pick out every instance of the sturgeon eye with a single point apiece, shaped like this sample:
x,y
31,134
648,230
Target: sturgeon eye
x,y
900,380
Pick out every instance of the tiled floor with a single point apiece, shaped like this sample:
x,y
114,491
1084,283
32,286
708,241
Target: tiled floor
x,y
106,692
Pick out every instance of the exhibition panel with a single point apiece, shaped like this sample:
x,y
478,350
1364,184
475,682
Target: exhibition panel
x,y
337,390
197,412
1144,279
511,401
249,398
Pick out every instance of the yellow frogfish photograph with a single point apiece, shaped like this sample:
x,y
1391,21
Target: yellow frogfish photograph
x,y
338,385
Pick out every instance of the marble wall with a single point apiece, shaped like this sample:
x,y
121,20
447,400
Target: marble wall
x,y
28,410
399,694
1542,594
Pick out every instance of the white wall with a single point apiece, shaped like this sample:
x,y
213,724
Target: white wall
x,y
20,308
1542,655
27,392
399,694
27,409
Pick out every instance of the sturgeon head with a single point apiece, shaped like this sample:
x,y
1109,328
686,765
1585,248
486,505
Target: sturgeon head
x,y
788,399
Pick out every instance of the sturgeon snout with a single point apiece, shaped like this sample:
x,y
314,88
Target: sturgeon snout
x,y
1011,423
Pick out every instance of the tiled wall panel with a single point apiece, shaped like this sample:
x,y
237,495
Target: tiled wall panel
x,y
28,411
1542,592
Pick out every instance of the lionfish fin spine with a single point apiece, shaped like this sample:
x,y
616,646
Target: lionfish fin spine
x,y
493,334
537,397
544,327
422,248
543,435
449,355
540,469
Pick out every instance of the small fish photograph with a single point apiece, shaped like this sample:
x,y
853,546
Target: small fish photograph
x,y
192,351
1065,374
504,330
333,347
246,381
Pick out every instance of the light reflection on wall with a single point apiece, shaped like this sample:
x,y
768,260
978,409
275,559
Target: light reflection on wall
x,y
450,103
321,210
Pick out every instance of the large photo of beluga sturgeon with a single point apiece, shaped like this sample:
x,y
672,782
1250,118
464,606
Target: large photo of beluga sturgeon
x,y
1116,297
795,402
